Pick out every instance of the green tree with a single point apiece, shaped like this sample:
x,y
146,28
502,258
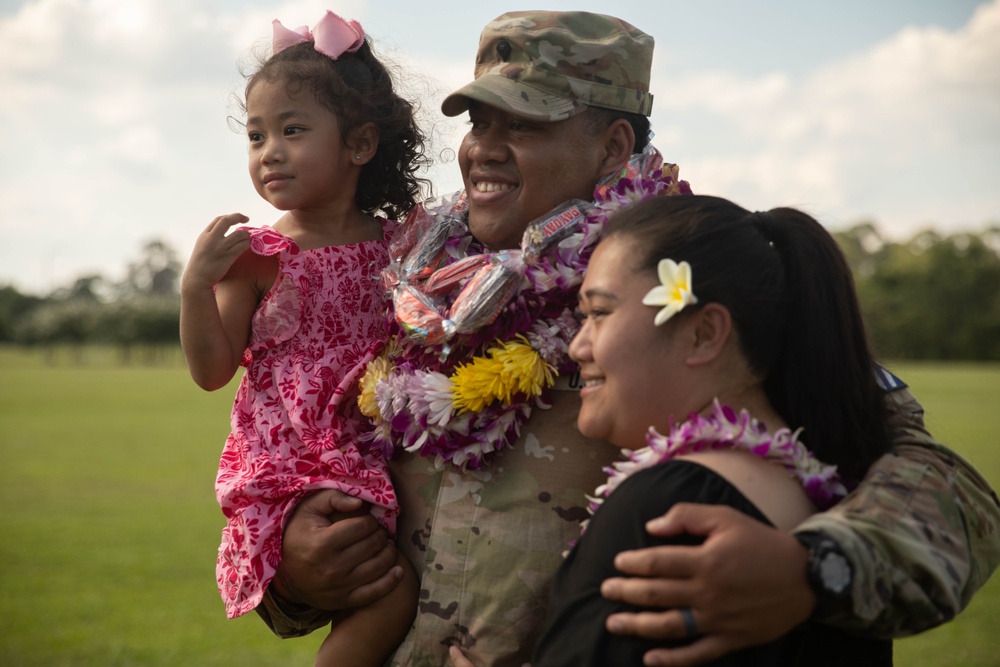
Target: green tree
x,y
14,308
933,297
148,324
92,288
156,273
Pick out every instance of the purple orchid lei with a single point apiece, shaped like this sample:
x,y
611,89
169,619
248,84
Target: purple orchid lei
x,y
414,382
723,428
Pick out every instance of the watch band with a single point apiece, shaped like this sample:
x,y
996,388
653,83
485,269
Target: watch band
x,y
829,571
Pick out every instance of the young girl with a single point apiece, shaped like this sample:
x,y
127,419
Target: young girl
x,y
724,350
301,306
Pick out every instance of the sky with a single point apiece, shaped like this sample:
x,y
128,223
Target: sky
x,y
117,116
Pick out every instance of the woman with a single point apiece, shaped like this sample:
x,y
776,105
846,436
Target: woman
x,y
724,351
697,310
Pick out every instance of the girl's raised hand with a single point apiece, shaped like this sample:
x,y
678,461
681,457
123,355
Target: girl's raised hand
x,y
215,251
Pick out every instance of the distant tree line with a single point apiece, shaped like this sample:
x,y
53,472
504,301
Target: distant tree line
x,y
139,314
931,297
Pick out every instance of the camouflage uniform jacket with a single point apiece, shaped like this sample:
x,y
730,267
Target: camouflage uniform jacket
x,y
921,532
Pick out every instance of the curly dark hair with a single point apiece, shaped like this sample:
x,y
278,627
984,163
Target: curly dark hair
x,y
359,89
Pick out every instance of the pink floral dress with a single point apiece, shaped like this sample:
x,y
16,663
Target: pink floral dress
x,y
295,421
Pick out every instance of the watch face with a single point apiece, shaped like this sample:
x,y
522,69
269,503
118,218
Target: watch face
x,y
835,572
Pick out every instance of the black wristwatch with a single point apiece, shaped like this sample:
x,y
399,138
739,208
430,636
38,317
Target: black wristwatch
x,y
829,571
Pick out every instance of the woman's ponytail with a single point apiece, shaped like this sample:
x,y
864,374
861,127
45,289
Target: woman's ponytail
x,y
824,378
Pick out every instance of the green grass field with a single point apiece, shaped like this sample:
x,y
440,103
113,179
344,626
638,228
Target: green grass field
x,y
109,524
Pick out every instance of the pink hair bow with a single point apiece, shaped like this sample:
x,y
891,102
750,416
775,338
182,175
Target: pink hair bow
x,y
332,36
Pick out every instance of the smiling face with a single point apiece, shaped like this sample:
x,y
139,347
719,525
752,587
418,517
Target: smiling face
x,y
634,373
516,169
298,160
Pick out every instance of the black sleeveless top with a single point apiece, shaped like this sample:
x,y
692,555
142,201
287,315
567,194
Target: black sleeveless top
x,y
575,634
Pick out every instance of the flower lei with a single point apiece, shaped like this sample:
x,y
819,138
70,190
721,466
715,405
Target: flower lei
x,y
723,428
469,361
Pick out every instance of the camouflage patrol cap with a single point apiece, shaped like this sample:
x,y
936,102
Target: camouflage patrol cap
x,y
553,65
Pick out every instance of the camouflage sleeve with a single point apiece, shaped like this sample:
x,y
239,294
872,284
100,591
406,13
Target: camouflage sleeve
x,y
921,531
287,620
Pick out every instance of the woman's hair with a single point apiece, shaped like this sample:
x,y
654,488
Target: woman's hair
x,y
791,296
358,89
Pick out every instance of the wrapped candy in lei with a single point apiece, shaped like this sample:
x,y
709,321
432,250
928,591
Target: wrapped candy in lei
x,y
480,336
723,428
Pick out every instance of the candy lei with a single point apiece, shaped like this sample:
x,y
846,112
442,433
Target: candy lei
x,y
723,428
480,336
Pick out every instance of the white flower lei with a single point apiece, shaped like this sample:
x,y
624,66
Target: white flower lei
x,y
723,428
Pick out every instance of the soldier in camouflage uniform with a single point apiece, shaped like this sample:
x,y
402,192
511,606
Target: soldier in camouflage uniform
x,y
920,532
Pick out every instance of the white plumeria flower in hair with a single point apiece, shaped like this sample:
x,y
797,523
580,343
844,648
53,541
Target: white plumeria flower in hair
x,y
674,294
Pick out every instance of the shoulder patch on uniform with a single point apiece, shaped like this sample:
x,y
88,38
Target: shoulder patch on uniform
x,y
887,381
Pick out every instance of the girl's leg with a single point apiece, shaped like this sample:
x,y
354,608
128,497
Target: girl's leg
x,y
367,636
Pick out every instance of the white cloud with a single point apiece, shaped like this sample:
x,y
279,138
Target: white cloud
x,y
113,123
139,144
122,21
116,111
842,134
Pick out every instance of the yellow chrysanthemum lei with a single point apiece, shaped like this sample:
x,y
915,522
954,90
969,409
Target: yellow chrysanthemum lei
x,y
378,369
508,368
512,367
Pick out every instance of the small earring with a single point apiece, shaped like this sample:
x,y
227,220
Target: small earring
x,y
357,156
